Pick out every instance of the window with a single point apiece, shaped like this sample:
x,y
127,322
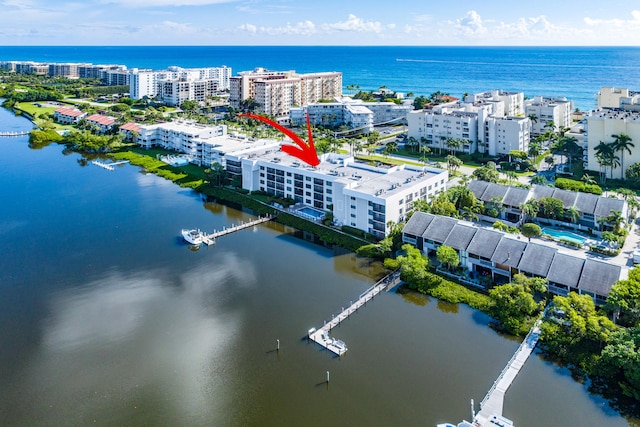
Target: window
x,y
329,199
329,191
307,178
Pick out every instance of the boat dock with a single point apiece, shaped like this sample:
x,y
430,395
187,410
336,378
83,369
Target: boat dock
x,y
22,133
213,236
492,404
321,336
108,166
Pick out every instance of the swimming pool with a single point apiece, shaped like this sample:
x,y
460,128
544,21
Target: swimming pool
x,y
311,213
567,235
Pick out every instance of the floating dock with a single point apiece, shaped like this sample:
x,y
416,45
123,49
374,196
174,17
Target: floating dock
x,y
321,336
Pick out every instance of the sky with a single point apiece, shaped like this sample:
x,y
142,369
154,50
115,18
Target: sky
x,y
320,22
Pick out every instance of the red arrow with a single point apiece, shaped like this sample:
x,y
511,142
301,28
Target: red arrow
x,y
306,153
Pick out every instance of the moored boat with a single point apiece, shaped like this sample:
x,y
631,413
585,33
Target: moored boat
x,y
195,237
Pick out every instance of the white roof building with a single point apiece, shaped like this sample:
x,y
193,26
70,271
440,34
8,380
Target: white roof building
x,y
359,195
545,110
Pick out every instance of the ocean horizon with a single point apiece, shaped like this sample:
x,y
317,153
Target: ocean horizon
x,y
573,72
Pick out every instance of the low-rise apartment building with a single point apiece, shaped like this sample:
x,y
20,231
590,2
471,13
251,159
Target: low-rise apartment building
x,y
68,115
485,252
102,123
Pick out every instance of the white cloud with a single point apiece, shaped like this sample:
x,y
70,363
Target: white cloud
x,y
635,14
353,23
471,24
304,28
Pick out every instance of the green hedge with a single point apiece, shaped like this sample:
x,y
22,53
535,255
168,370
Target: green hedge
x,y
574,185
449,291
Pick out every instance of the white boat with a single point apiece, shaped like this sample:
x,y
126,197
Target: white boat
x,y
195,237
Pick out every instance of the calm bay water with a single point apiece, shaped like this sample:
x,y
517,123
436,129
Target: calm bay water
x,y
576,73
107,317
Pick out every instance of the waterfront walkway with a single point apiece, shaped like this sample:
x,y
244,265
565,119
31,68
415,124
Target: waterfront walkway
x,y
321,336
492,404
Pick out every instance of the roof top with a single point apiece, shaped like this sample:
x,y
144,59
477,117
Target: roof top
x,y
484,242
460,236
439,228
509,251
130,126
69,111
568,197
606,205
418,222
102,120
537,259
565,270
598,276
516,196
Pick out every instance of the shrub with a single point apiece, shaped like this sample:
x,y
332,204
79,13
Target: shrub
x,y
574,185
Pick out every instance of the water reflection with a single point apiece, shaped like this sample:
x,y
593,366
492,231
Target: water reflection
x,y
142,338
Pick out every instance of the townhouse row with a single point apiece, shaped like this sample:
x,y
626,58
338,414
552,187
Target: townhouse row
x,y
490,254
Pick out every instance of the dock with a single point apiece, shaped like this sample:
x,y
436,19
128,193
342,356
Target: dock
x,y
492,404
22,133
321,336
213,236
108,166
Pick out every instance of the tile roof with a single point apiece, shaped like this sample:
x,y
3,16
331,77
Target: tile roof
x,y
460,236
101,120
439,228
130,126
598,276
484,242
509,251
68,111
516,196
418,222
568,197
565,270
537,259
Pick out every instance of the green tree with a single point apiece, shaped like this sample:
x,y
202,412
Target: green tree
x,y
486,173
413,265
215,175
538,180
512,306
530,230
581,332
453,163
620,361
550,207
622,143
448,256
623,301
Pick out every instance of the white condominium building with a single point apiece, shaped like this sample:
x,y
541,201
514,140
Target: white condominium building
x,y
176,85
603,124
434,127
504,134
358,195
611,97
509,103
277,91
543,110
205,145
483,122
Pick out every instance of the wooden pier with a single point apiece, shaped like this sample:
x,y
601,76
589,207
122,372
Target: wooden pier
x,y
213,236
492,404
321,336
108,166
22,133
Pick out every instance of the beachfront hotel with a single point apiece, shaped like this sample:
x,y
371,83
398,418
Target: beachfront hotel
x,y
276,92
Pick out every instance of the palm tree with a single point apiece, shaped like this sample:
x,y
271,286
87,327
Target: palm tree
x,y
572,214
453,144
529,209
511,176
622,143
588,179
534,151
615,219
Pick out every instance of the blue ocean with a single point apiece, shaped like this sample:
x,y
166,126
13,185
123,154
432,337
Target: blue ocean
x,y
576,73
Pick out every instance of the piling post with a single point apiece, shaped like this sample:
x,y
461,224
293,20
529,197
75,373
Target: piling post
x,y
327,377
278,345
